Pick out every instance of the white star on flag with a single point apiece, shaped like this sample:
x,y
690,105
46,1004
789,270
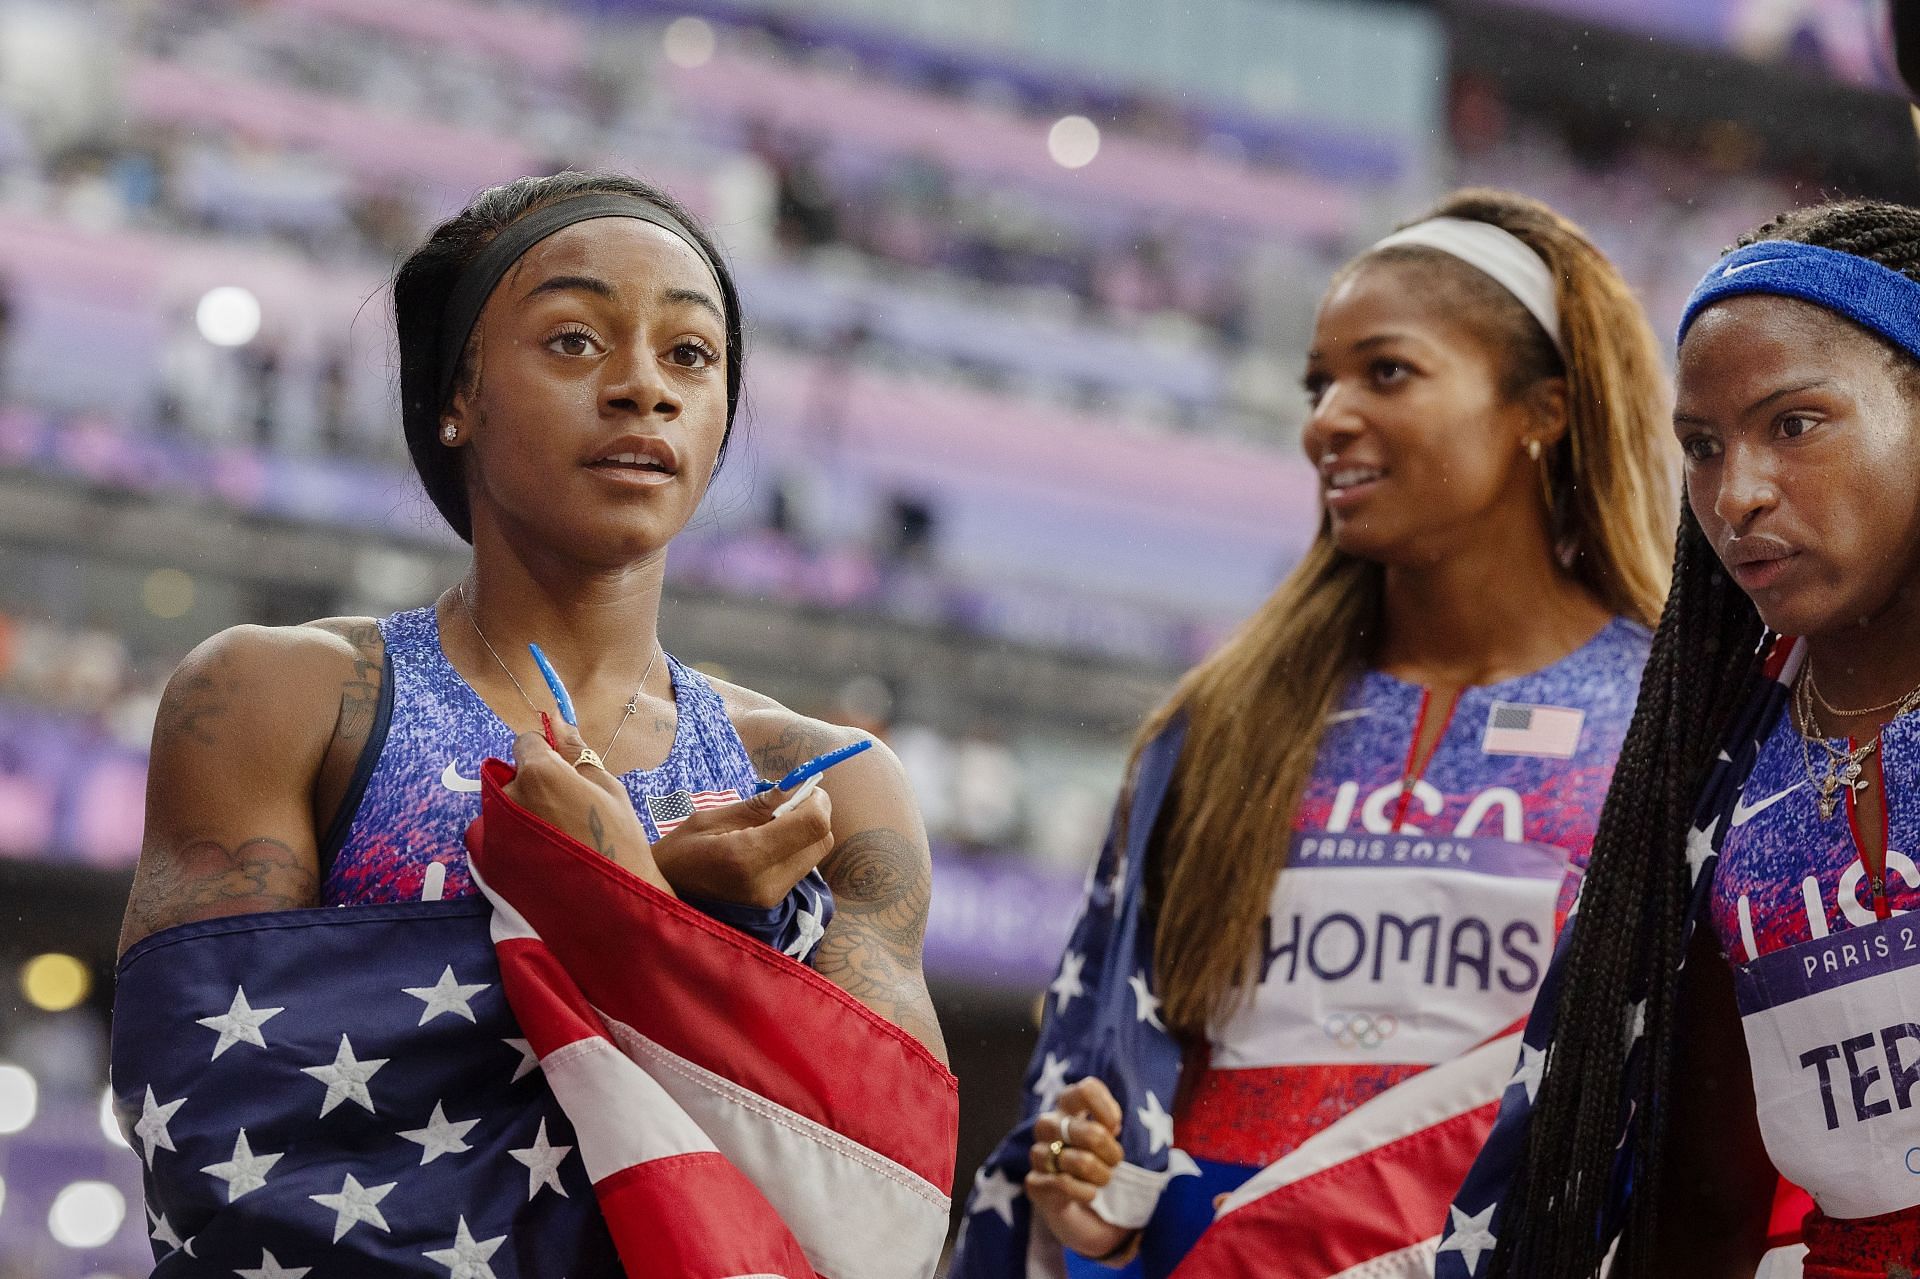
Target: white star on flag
x,y
1146,1004
270,1268
245,1172
240,1024
1159,1124
354,1204
1699,848
529,1060
1053,1078
1470,1237
1067,984
151,1127
467,1259
994,1191
162,1231
1533,1061
441,1136
810,932
445,996
543,1163
1181,1164
346,1079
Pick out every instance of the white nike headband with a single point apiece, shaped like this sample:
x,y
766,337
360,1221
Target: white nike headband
x,y
1498,254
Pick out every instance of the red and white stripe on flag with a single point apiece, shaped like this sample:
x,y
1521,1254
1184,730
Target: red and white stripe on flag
x,y
730,1103
1552,732
1376,1183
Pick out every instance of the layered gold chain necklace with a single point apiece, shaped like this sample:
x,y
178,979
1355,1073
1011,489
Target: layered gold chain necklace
x,y
1843,769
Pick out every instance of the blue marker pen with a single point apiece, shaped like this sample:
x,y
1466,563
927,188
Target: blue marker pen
x,y
815,766
553,682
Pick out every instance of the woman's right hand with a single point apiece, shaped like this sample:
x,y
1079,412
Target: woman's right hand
x,y
582,799
1087,1119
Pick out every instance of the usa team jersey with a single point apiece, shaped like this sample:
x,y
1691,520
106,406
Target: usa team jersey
x,y
1829,992
1389,947
418,789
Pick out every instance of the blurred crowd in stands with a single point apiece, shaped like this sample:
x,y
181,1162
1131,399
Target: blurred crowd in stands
x,y
318,139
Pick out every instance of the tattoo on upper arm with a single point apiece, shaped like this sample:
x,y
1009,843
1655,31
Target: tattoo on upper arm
x,y
882,881
882,885
360,692
206,879
796,744
190,709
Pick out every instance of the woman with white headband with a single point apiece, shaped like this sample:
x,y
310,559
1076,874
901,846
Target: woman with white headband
x,y
1350,835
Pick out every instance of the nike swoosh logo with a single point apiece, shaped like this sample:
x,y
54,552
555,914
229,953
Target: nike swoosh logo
x,y
1744,813
451,779
1746,266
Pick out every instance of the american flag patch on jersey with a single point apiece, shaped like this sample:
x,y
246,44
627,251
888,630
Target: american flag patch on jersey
x,y
668,811
1517,729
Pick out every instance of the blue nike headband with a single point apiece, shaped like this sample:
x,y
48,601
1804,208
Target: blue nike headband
x,y
1873,296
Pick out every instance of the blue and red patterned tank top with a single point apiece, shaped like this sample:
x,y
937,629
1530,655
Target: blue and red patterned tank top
x,y
1829,986
1409,924
417,789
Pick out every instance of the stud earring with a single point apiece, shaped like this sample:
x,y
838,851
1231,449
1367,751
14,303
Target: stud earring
x,y
1533,449
449,432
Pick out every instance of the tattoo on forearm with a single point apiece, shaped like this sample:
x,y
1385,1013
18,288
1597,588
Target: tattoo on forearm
x,y
206,879
598,829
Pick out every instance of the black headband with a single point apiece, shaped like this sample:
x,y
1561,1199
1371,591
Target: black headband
x,y
482,275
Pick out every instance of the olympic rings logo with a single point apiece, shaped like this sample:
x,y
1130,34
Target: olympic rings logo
x,y
1360,1030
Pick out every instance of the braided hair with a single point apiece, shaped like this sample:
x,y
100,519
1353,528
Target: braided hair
x,y
1627,945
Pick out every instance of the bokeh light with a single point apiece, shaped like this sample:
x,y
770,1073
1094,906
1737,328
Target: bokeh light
x,y
228,316
167,592
110,1120
55,982
86,1214
689,42
1073,141
19,1099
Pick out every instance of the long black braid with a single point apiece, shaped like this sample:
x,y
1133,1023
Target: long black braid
x,y
1627,942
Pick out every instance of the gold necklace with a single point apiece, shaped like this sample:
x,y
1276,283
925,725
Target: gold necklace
x,y
1844,769
1813,686
633,703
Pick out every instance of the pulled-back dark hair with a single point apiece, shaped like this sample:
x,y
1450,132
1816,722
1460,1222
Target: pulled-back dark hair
x,y
425,280
1627,940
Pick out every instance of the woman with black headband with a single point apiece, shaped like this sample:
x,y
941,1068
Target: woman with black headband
x,y
1737,1000
1352,832
570,364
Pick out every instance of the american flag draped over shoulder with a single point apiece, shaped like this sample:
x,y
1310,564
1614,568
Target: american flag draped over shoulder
x,y
1475,1219
1102,1019
1373,1186
586,1079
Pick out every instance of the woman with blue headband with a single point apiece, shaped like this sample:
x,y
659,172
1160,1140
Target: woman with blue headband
x,y
570,363
1737,999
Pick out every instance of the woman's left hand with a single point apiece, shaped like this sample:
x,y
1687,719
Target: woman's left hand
x,y
584,800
